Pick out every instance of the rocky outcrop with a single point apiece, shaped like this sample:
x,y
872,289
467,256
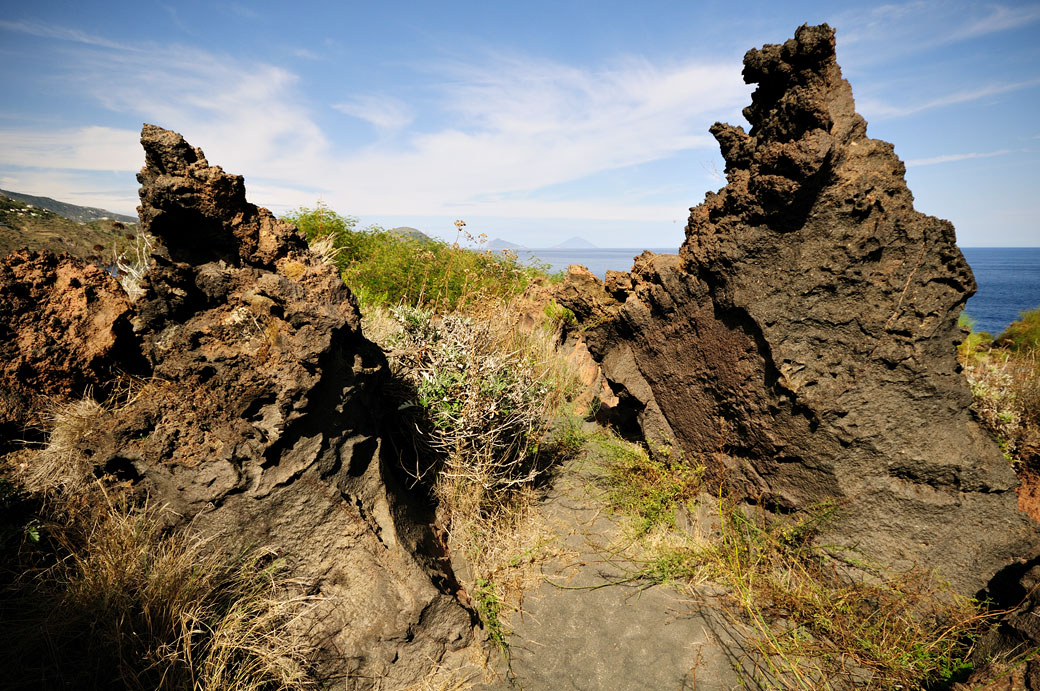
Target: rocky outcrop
x,y
262,423
803,340
64,330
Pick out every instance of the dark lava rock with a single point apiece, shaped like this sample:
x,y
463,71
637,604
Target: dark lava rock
x,y
64,330
262,425
803,341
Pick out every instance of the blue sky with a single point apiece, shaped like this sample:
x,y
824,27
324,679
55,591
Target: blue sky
x,y
532,121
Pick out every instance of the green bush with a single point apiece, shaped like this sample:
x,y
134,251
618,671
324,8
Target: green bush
x,y
1023,335
386,268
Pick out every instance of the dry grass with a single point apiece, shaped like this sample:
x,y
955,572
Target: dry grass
x,y
60,467
111,599
97,592
813,624
132,264
325,247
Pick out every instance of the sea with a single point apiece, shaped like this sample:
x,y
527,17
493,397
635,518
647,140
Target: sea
x,y
1008,277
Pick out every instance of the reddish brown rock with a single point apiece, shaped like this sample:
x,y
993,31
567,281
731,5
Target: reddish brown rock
x,y
803,340
64,330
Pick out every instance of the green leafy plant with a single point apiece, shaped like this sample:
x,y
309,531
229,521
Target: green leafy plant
x,y
489,608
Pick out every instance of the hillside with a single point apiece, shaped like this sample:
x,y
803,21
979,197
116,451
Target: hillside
x,y
69,211
24,224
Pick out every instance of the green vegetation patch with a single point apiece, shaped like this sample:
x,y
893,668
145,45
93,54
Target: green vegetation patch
x,y
384,267
1004,375
1023,335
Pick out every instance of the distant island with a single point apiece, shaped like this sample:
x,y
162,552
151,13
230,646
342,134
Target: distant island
x,y
409,232
574,243
500,244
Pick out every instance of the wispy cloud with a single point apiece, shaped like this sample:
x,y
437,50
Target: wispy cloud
x,y
514,126
84,148
383,112
951,158
521,125
922,24
61,33
874,108
1000,18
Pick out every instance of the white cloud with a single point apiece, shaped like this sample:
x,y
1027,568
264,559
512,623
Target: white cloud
x,y
85,148
524,125
950,158
63,34
515,126
874,108
1000,18
923,24
383,112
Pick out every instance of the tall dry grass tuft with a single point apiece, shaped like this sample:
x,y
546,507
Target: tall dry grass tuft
x,y
61,467
111,599
98,592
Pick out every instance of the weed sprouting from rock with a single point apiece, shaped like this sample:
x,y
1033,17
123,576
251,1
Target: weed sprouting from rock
x,y
132,264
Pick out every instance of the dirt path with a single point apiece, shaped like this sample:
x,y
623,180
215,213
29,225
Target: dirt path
x,y
588,624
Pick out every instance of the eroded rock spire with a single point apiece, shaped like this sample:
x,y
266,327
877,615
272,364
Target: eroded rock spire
x,y
804,340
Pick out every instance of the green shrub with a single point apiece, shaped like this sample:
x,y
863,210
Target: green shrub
x,y
387,268
486,392
1023,335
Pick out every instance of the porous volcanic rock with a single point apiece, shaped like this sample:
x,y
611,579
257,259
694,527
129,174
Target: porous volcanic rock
x,y
64,329
263,422
803,340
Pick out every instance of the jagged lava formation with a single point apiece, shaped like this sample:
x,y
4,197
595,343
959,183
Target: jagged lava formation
x,y
261,418
803,341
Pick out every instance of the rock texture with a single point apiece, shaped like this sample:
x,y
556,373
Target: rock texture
x,y
263,422
803,340
64,330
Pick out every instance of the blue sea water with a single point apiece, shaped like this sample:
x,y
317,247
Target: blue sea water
x,y
1008,277
1009,282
